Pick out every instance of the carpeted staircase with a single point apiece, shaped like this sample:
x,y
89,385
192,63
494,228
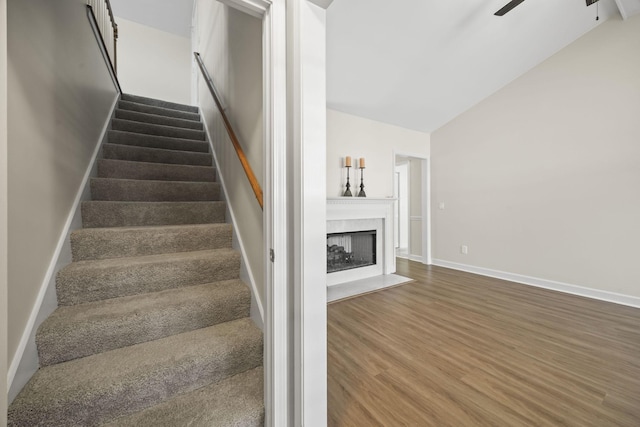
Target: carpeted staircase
x,y
152,327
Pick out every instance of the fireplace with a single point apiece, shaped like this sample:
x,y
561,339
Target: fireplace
x,y
351,249
355,224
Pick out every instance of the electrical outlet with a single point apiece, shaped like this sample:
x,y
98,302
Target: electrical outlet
x,y
464,249
441,206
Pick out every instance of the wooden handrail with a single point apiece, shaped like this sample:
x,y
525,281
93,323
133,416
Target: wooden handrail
x,y
232,135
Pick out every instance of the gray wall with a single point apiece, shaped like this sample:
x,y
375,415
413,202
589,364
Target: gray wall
x,y
230,43
543,178
3,212
59,95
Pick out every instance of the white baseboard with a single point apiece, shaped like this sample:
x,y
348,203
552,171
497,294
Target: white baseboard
x,y
567,288
27,363
258,317
417,258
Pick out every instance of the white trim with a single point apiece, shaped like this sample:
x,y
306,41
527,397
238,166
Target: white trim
x,y
426,211
49,277
307,58
417,258
426,201
277,393
255,8
567,288
252,281
361,208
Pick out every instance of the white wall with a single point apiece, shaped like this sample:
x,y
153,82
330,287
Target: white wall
x,y
230,43
60,94
543,178
153,63
3,212
349,135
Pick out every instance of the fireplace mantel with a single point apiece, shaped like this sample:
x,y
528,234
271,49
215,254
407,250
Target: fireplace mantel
x,y
368,208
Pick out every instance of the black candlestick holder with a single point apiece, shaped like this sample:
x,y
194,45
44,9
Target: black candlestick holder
x,y
347,193
362,193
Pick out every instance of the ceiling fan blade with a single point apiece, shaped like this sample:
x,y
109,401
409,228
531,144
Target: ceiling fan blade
x,y
508,7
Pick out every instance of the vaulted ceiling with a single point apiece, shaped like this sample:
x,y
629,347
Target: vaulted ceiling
x,y
420,63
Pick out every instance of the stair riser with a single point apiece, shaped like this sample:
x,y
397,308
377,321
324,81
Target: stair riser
x,y
153,141
159,103
153,191
108,168
148,129
129,214
157,120
90,244
77,286
158,111
160,315
199,361
152,155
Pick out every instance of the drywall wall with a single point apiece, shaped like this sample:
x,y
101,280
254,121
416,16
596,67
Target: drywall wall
x,y
59,96
153,63
542,178
349,135
415,208
230,43
3,213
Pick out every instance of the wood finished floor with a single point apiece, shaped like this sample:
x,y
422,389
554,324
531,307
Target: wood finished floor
x,y
457,349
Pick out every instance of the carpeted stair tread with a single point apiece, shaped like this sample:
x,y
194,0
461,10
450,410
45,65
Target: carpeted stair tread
x,y
119,242
236,401
159,103
99,388
153,191
95,280
159,111
155,155
157,120
98,214
110,168
81,330
155,141
159,130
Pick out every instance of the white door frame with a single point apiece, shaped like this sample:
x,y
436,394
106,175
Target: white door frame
x,y
426,201
403,215
294,221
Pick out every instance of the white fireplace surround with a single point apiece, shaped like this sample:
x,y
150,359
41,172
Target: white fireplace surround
x,y
346,214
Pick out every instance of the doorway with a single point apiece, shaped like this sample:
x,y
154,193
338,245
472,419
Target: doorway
x,y
411,184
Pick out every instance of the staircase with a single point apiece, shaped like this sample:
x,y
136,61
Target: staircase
x,y
152,327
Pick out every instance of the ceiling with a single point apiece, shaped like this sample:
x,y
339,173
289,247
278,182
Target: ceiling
x,y
420,63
